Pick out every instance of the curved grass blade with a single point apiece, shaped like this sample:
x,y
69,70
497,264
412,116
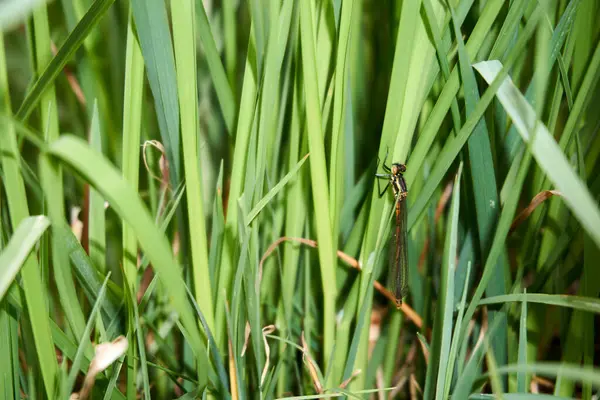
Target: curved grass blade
x,y
71,44
546,151
589,304
157,48
104,177
273,192
22,242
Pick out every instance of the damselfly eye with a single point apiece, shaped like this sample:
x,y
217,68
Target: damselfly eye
x,y
398,168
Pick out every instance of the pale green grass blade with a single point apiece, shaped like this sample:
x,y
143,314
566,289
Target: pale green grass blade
x,y
517,396
9,349
432,126
51,179
546,151
153,32
571,371
495,381
318,173
20,245
185,53
558,37
589,304
132,119
456,336
97,223
16,198
522,380
445,310
127,204
273,192
218,228
56,65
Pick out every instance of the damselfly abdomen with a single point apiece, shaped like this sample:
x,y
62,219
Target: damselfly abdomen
x,y
398,259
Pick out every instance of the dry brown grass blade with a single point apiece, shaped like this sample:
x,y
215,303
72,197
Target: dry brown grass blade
x,y
267,330
347,381
105,355
246,338
311,365
350,261
415,389
535,202
164,165
232,372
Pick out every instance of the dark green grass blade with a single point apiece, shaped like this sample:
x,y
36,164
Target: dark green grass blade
x,y
482,173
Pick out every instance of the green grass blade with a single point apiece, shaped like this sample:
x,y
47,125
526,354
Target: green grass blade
x,y
16,199
589,304
22,242
336,166
127,204
484,188
456,336
215,66
242,139
546,151
431,127
454,145
96,220
445,309
217,359
66,51
318,173
185,52
84,342
132,115
571,371
521,377
154,35
273,192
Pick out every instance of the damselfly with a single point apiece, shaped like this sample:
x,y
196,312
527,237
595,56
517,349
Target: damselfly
x,y
398,260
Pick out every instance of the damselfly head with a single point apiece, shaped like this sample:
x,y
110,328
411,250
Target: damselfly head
x,y
398,168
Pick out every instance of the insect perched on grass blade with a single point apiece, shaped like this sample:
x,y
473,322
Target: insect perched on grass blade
x,y
398,260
